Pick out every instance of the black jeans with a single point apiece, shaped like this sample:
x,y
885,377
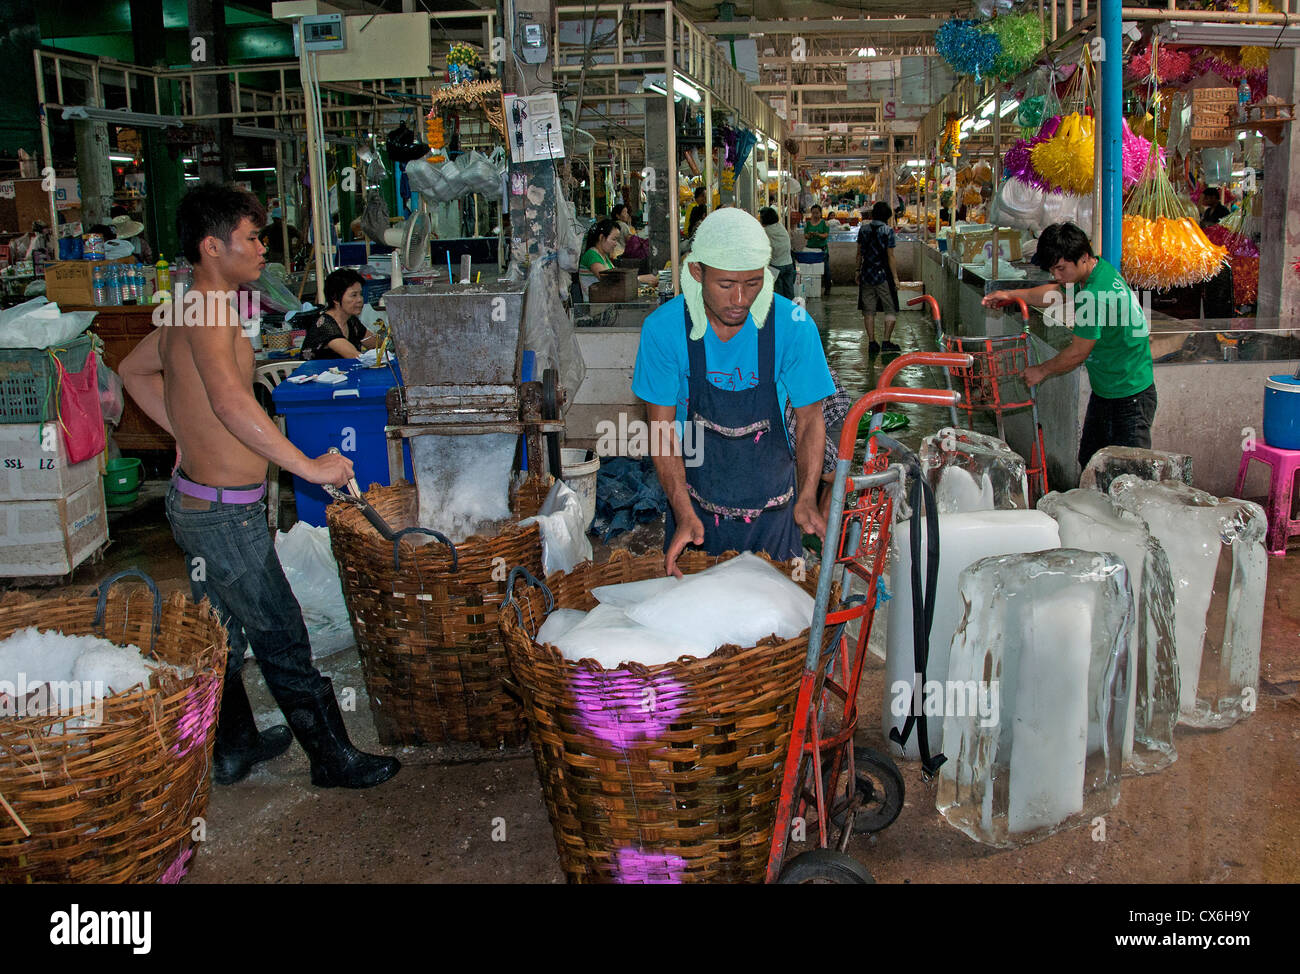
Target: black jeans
x,y
1117,422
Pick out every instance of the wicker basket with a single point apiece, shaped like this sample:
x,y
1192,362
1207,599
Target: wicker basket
x,y
665,773
426,628
114,802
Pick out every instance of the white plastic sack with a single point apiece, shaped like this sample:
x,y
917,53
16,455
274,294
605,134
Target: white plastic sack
x,y
739,601
627,594
39,323
564,530
609,637
1018,205
304,552
558,623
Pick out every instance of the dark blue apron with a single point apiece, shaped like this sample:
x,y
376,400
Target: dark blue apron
x,y
744,491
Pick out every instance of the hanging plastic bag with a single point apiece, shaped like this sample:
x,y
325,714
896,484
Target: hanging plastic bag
x,y
568,235
313,575
111,401
80,416
548,326
564,531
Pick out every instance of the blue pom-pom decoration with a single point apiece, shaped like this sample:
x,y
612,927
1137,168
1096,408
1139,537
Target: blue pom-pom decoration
x,y
969,46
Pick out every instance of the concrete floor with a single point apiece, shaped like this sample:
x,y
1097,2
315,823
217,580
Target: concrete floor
x,y
1228,811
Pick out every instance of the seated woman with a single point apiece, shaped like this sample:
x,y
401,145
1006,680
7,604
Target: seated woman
x,y
604,241
337,332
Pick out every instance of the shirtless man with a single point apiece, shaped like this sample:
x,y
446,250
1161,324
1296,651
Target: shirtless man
x,y
195,381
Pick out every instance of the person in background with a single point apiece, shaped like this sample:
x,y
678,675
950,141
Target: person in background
x,y
622,215
197,384
817,235
132,230
337,332
727,354
699,210
782,261
877,277
1111,338
604,241
272,238
1214,208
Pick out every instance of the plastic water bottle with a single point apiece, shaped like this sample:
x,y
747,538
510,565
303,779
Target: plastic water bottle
x,y
100,285
1243,100
112,285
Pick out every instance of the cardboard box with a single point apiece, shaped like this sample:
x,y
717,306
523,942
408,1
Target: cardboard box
x,y
52,537
30,472
971,244
73,281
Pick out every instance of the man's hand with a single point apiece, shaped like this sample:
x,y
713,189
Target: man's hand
x,y
808,517
330,468
996,299
689,531
1034,374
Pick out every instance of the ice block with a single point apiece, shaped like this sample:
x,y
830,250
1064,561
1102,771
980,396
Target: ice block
x,y
1113,461
970,471
1048,632
1220,571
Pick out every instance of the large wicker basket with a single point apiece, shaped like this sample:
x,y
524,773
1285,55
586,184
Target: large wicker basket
x,y
666,773
115,800
426,627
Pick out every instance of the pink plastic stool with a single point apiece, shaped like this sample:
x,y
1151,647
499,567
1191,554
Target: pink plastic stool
x,y
1284,464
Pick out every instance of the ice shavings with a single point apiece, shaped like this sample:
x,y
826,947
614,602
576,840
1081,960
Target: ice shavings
x,y
463,482
32,657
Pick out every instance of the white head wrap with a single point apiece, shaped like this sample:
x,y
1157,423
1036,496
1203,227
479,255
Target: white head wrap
x,y
730,240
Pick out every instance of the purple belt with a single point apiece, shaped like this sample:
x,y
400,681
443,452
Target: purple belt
x,y
221,495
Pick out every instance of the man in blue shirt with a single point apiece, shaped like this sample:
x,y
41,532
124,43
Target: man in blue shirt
x,y
726,356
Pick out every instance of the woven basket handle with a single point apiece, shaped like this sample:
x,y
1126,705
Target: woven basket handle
x,y
102,592
515,573
397,545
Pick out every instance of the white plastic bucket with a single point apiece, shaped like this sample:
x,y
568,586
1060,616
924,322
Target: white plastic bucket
x,y
580,474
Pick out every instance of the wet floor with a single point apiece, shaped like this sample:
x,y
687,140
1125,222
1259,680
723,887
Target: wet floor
x,y
1227,811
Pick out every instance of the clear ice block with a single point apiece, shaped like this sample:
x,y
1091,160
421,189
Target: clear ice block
x,y
1113,461
1090,521
973,472
963,539
1047,634
1220,571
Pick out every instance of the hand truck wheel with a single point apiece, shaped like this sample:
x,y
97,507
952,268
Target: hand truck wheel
x,y
825,866
880,787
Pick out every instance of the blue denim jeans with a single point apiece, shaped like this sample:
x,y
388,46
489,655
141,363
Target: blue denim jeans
x,y
230,557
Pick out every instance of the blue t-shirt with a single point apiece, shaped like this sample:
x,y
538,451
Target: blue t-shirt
x,y
662,365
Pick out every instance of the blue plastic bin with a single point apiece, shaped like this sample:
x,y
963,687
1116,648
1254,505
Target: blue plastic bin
x,y
1282,412
350,416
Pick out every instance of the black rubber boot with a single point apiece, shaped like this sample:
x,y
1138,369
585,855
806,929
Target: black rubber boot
x,y
335,762
239,745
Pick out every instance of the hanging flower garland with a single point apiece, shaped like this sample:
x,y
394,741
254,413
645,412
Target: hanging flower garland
x,y
1066,159
1172,64
969,47
1020,37
1136,152
1244,258
1018,161
1162,247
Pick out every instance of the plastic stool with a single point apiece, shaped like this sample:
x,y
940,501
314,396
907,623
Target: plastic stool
x,y
1284,464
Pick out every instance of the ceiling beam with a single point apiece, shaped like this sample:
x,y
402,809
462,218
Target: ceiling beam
x,y
875,26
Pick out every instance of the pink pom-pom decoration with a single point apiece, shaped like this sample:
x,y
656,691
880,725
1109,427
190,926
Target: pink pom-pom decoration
x,y
1136,152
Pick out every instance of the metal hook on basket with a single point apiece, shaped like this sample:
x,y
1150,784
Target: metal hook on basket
x,y
102,592
515,573
397,544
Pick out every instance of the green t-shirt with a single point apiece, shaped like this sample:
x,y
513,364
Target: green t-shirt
x,y
594,256
1107,311
820,243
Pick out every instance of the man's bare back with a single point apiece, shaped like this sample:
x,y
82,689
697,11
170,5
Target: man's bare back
x,y
210,453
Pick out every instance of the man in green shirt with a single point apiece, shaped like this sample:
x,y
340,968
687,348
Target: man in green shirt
x,y
1111,338
817,235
